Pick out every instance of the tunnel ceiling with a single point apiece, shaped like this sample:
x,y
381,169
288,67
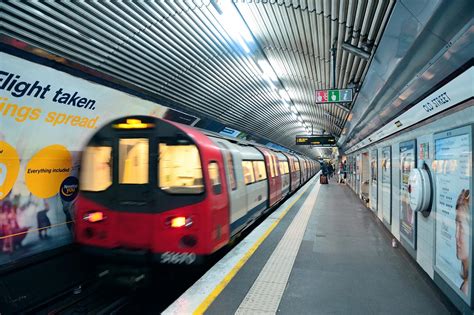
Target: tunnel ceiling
x,y
252,65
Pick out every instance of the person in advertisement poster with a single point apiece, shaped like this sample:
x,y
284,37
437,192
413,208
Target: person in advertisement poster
x,y
453,167
463,222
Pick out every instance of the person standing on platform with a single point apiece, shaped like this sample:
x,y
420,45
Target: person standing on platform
x,y
344,168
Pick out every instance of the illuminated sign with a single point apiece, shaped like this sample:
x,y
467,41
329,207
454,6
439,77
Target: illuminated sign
x,y
334,96
315,140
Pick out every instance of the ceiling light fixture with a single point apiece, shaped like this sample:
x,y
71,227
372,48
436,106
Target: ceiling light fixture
x,y
233,24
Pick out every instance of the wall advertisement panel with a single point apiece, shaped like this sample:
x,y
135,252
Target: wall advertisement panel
x,y
453,188
373,180
46,116
407,215
386,184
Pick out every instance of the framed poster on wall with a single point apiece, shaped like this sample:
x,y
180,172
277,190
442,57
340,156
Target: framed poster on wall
x,y
373,180
386,184
407,215
453,203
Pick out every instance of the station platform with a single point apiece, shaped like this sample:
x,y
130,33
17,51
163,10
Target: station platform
x,y
321,252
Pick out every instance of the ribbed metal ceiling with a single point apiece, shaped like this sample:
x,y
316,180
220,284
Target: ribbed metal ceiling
x,y
188,52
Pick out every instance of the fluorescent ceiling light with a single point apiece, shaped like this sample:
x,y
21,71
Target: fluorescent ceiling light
x,y
233,24
267,70
284,95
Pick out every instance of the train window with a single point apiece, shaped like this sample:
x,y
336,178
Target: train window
x,y
297,165
247,168
180,169
275,164
271,167
133,161
284,167
231,169
213,169
259,168
96,169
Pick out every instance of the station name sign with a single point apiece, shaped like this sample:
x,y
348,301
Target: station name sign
x,y
315,140
333,96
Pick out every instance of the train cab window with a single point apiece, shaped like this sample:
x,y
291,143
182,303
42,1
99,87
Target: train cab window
x,y
96,169
180,170
213,169
259,169
133,161
249,176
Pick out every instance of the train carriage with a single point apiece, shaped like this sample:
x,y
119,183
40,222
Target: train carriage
x,y
152,189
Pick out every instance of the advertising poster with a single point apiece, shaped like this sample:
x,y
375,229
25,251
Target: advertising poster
x,y
407,215
46,117
386,184
453,177
373,180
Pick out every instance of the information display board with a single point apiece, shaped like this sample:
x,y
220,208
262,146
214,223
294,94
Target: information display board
x,y
386,184
316,140
373,180
407,215
453,190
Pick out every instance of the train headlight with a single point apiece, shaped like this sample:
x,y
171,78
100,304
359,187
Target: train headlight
x,y
95,216
177,222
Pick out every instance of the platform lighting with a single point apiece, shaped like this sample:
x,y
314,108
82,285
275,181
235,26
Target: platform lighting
x,y
286,104
301,120
294,115
293,109
267,70
233,24
284,95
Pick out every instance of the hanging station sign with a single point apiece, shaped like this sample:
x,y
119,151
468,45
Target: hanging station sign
x,y
334,96
316,140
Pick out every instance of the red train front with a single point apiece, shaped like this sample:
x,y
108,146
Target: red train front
x,y
152,189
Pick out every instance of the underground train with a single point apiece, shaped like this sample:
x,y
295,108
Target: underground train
x,y
159,191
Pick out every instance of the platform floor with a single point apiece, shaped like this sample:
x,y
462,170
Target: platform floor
x,y
345,264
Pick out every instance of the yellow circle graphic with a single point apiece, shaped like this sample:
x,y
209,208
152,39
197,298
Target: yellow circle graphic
x,y
9,168
47,169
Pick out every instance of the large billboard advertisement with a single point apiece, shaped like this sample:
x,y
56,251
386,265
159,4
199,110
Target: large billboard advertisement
x,y
453,178
373,180
46,116
407,215
386,184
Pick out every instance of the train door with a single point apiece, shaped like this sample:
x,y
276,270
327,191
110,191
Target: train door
x,y
235,179
274,179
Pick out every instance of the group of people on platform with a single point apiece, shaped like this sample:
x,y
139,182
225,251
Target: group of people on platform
x,y
328,169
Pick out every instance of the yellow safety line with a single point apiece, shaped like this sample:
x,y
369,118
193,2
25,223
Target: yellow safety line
x,y
34,230
221,286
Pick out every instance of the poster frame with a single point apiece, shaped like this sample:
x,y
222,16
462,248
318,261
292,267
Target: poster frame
x,y
446,285
389,222
413,144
